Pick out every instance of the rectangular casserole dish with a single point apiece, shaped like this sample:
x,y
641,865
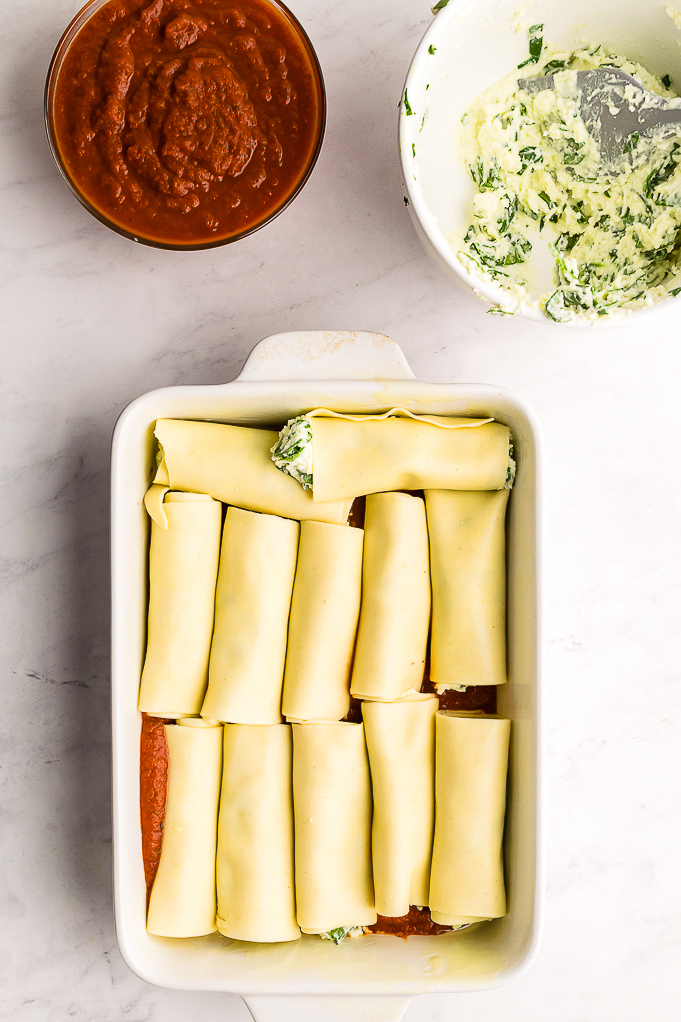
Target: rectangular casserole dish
x,y
284,376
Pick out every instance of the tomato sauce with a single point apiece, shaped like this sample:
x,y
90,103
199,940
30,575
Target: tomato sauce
x,y
188,121
153,793
417,923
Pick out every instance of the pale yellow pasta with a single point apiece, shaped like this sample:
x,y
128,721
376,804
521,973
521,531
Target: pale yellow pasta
x,y
252,603
323,622
354,455
401,744
395,613
183,568
233,464
471,762
332,808
468,577
182,902
255,883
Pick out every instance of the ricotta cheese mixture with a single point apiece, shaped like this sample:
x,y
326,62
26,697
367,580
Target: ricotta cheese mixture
x,y
292,452
553,225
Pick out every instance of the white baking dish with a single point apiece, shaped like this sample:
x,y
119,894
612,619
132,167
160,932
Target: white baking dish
x,y
284,376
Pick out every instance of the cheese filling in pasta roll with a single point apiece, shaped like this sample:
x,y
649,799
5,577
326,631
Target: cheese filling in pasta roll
x,y
252,603
183,569
182,902
255,883
468,577
342,456
332,809
395,612
401,744
471,762
233,464
323,622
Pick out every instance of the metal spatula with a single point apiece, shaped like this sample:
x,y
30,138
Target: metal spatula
x,y
610,118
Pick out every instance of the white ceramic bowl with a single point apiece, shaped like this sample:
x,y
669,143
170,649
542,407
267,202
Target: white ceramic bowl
x,y
475,43
372,978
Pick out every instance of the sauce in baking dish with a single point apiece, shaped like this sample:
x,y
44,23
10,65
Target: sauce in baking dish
x,y
187,121
153,793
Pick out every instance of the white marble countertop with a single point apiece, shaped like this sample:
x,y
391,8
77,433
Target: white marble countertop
x,y
90,321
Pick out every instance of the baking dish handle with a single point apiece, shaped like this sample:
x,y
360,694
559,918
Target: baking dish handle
x,y
326,355
327,1009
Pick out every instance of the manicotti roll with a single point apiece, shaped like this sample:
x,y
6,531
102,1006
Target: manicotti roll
x,y
252,603
358,454
468,578
471,762
233,464
182,902
183,569
395,612
323,622
400,740
332,808
255,883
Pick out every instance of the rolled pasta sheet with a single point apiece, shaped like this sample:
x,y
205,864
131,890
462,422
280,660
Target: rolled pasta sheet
x,y
255,882
233,464
332,809
468,578
252,604
323,623
400,740
395,613
357,455
183,569
182,902
471,762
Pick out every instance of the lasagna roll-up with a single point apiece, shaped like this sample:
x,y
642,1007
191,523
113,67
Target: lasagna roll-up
x,y
401,744
183,569
468,577
323,622
395,611
332,810
182,902
471,762
255,885
342,456
233,464
252,604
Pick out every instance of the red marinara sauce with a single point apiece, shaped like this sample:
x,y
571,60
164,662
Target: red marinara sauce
x,y
153,793
188,122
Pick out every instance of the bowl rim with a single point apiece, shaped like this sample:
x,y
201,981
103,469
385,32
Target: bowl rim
x,y
69,35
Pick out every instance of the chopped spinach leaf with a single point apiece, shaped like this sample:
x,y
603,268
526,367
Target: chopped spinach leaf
x,y
432,49
553,66
667,82
536,43
661,173
529,154
489,182
407,105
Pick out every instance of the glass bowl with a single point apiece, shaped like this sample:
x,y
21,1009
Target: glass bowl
x,y
74,28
